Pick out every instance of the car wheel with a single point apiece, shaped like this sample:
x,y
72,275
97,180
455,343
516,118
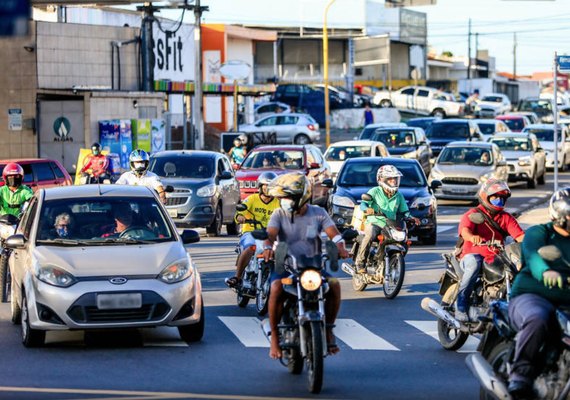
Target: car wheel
x,y
232,229
302,139
194,332
30,337
385,103
438,113
531,183
215,228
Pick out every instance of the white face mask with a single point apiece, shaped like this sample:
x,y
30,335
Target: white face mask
x,y
139,165
287,204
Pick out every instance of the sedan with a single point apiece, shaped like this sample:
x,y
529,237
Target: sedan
x,y
262,110
358,176
288,128
489,127
121,264
338,152
492,105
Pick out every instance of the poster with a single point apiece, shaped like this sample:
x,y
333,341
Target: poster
x,y
126,143
141,129
158,135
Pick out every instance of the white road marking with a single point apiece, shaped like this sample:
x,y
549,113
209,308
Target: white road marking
x,y
358,337
444,228
247,330
430,328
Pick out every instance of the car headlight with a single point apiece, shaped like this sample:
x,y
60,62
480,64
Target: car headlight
x,y
419,201
487,176
311,280
206,191
436,174
55,276
524,161
411,154
342,201
176,272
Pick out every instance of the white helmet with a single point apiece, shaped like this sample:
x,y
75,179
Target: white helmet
x,y
389,172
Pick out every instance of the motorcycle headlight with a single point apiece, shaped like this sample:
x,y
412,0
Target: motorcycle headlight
x,y
397,235
419,201
342,201
55,276
311,280
206,191
524,161
176,272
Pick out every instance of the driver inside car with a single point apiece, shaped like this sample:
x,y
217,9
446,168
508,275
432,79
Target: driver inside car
x,y
123,216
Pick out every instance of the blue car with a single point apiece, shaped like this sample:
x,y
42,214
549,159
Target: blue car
x,y
358,176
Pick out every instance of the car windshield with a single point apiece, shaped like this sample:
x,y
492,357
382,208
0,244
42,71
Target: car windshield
x,y
515,124
486,128
449,130
116,220
286,159
536,105
512,144
420,123
182,167
341,153
367,132
494,99
364,174
466,155
395,137
546,135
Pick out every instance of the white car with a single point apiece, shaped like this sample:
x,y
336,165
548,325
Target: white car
x,y
264,109
338,152
422,100
492,105
288,128
545,135
121,264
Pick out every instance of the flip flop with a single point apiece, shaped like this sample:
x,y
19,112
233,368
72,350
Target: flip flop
x,y
332,349
232,282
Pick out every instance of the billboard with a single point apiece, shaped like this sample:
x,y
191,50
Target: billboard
x,y
173,52
374,50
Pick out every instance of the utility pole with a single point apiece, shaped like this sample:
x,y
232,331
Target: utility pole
x,y
147,51
555,117
515,57
476,54
469,51
198,95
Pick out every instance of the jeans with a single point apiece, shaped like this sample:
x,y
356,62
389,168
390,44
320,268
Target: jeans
x,y
471,265
370,232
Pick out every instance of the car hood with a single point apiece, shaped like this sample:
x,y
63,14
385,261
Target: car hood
x,y
335,166
355,192
547,145
189,183
252,174
115,260
464,170
398,151
515,155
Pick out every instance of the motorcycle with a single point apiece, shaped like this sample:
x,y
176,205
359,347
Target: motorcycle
x,y
384,263
8,224
493,283
302,329
493,361
90,179
255,278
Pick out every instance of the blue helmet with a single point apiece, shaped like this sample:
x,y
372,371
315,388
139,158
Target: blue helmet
x,y
139,160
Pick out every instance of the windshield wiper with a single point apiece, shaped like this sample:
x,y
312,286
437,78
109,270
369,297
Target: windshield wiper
x,y
67,242
131,240
446,163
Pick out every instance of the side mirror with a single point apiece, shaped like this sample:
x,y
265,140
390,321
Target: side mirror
x,y
328,183
169,189
550,253
314,165
190,236
280,256
435,184
332,253
366,197
241,207
15,242
476,218
350,234
226,175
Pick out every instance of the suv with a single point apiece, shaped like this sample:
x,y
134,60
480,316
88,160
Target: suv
x,y
41,173
307,159
408,142
205,189
442,132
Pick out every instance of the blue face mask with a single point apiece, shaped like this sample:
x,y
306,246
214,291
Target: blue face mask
x,y
62,232
498,202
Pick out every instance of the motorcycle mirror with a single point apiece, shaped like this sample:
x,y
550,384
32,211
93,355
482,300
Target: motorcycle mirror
x,y
241,207
169,189
280,255
476,218
550,253
332,253
366,197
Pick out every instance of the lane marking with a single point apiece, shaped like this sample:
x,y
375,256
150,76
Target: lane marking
x,y
358,337
430,328
444,228
247,330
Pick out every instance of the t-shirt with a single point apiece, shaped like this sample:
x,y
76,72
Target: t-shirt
x,y
259,210
238,154
505,220
149,179
11,202
303,235
390,206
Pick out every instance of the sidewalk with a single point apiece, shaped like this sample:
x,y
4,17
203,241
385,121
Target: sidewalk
x,y
534,216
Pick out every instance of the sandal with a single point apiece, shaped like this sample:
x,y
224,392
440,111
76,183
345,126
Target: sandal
x,y
332,348
232,282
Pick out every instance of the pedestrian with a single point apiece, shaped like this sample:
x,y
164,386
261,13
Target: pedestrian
x,y
368,116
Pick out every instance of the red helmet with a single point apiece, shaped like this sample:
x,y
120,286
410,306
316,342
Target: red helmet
x,y
12,169
494,187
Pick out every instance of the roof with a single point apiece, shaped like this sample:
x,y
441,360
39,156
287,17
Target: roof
x,y
386,124
95,191
509,116
540,126
470,144
485,121
25,160
451,120
383,159
277,147
511,135
185,153
356,143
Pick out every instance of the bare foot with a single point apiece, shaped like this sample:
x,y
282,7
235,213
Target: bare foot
x,y
275,350
332,347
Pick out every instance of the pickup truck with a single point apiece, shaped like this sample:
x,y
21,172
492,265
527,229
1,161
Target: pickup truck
x,y
421,100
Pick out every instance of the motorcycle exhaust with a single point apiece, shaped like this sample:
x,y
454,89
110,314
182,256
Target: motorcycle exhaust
x,y
346,267
436,310
481,369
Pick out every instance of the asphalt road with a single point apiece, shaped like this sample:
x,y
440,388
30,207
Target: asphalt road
x,y
387,346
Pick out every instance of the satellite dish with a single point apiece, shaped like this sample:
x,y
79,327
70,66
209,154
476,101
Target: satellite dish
x,y
235,70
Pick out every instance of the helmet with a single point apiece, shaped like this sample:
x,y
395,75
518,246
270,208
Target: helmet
x,y
138,161
13,174
495,187
293,185
264,179
243,138
386,172
96,149
559,209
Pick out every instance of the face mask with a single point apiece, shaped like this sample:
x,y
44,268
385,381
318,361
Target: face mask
x,y
14,181
498,202
287,204
95,152
62,232
139,165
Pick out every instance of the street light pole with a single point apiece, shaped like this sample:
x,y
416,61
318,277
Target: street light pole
x,y
326,73
555,117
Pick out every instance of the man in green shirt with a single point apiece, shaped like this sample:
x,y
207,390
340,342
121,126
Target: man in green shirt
x,y
13,194
539,288
385,198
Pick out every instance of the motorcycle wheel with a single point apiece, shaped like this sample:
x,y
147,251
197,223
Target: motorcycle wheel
x,y
394,279
295,364
315,357
262,296
359,282
450,338
242,300
5,279
498,358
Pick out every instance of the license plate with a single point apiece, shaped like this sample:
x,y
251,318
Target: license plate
x,y
458,190
116,301
172,212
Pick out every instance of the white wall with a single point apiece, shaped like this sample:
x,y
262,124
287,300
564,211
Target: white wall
x,y
239,49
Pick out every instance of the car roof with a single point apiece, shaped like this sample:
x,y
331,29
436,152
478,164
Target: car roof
x,y
356,143
285,147
470,144
95,191
25,160
186,153
383,159
423,119
386,124
511,134
540,126
509,116
485,121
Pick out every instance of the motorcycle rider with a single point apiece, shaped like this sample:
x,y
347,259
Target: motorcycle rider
x,y
13,194
97,162
139,175
299,224
238,152
385,198
536,293
493,197
260,206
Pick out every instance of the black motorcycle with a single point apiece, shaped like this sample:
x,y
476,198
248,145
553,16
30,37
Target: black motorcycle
x,y
493,283
384,263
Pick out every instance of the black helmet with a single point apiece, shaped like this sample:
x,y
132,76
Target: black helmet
x,y
96,148
559,209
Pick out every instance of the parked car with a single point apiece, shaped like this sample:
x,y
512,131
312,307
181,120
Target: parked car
x,y
369,130
450,130
339,152
289,128
40,172
267,108
545,135
96,278
490,127
462,168
525,158
307,159
516,123
358,176
492,105
406,143
206,191
423,123
422,100
541,107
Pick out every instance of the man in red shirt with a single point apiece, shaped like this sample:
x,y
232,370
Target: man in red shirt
x,y
492,198
97,162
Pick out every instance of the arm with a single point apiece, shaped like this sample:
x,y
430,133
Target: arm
x,y
87,164
272,233
240,217
334,235
534,240
468,235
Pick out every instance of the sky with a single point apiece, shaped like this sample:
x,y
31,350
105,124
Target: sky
x,y
542,26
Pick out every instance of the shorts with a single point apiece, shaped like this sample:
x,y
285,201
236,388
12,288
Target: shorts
x,y
246,240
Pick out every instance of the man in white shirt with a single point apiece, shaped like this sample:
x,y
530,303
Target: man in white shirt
x,y
140,176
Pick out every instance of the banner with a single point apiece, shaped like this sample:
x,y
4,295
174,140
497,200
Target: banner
x,y
141,129
158,135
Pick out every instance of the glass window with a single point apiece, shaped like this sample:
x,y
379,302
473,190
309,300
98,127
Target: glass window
x,y
364,174
408,91
515,124
450,130
183,167
395,138
43,171
227,165
268,121
493,99
511,143
293,159
543,134
340,153
487,128
28,217
58,172
466,155
423,93
287,120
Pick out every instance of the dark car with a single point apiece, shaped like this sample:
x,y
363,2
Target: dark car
x,y
445,131
40,172
541,107
358,176
205,189
406,142
423,123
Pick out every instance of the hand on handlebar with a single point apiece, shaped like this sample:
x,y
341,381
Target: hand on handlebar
x,y
240,219
369,211
268,255
551,279
476,240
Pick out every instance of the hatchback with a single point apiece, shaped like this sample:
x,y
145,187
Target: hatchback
x,y
288,128
41,173
408,142
445,131
339,152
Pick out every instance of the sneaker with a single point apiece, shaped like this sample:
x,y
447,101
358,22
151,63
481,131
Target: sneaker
x,y
461,316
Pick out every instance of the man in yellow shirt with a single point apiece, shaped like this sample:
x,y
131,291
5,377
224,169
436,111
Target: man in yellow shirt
x,y
260,206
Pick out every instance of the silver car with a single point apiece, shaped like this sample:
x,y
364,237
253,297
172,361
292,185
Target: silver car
x,y
288,128
462,167
101,257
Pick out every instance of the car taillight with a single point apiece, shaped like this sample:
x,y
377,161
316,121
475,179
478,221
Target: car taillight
x,y
311,127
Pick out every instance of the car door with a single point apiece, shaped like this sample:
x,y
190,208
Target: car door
x,y
267,125
44,175
21,258
539,156
405,99
286,128
500,164
230,190
59,174
422,100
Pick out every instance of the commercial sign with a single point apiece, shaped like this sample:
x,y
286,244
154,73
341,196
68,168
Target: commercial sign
x,y
15,119
373,50
173,52
413,27
563,63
